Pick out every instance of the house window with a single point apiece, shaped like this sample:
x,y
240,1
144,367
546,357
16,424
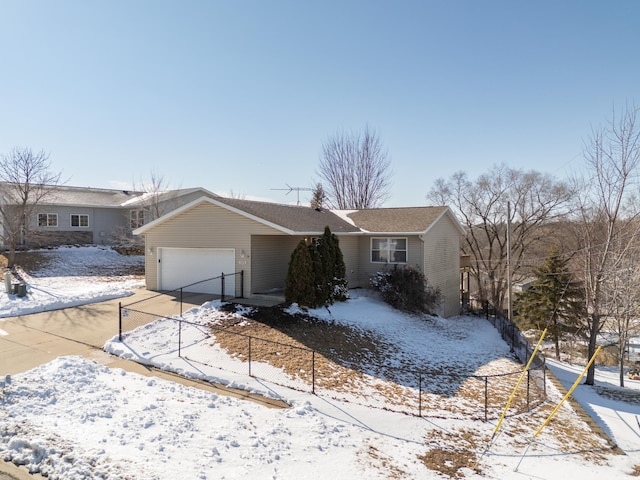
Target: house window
x,y
137,219
389,250
79,220
47,219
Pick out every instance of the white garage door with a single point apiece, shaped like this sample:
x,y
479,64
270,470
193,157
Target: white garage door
x,y
183,267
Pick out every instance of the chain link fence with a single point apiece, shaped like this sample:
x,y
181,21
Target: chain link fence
x,y
421,392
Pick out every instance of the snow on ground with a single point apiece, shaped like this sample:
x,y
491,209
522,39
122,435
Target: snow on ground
x,y
75,419
72,276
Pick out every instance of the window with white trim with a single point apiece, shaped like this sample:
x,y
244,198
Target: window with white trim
x,y
137,219
388,250
79,220
47,219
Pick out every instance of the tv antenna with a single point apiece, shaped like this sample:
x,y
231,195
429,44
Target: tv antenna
x,y
290,189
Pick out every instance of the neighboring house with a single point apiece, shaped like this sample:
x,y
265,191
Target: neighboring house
x,y
210,236
78,215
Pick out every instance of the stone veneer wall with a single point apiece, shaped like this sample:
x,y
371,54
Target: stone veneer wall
x,y
44,238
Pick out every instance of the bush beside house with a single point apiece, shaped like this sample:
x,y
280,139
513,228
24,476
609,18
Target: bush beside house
x,y
317,274
405,288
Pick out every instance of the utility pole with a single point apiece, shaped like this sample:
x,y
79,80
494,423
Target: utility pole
x,y
509,282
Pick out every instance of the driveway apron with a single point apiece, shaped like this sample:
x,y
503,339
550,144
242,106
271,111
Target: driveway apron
x,y
30,340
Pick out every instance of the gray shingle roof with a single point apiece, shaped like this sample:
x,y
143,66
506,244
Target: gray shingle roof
x,y
292,217
90,197
306,219
396,220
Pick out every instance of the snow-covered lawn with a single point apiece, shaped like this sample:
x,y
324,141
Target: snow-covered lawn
x,y
71,276
75,419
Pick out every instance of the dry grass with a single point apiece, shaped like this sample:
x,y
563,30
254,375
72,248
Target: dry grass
x,y
353,364
450,461
343,366
384,463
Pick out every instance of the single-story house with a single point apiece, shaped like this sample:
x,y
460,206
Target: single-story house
x,y
214,235
92,216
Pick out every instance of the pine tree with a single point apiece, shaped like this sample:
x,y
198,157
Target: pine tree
x,y
554,298
319,197
339,292
300,284
325,266
323,273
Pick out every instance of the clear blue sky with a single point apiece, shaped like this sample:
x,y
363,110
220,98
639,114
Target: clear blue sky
x,y
237,96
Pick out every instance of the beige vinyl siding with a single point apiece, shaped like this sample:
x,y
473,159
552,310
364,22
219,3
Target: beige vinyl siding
x,y
349,248
270,256
369,268
165,206
442,264
205,226
438,257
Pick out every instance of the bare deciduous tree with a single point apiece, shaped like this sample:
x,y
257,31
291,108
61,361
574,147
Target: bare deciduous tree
x,y
25,176
356,169
151,201
536,199
623,301
607,220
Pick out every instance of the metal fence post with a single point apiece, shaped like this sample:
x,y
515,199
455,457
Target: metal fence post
x,y
249,356
180,301
486,398
222,285
313,371
179,337
528,389
241,283
120,321
420,394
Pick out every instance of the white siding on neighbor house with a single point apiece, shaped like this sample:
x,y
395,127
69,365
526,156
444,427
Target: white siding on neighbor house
x,y
206,226
442,264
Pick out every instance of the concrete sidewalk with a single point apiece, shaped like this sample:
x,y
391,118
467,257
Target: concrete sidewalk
x,y
31,340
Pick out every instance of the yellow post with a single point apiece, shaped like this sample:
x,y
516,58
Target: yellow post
x,y
515,389
575,384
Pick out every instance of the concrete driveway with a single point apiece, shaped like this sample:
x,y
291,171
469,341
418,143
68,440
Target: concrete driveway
x,y
30,340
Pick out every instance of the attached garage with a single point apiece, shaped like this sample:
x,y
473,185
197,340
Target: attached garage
x,y
188,267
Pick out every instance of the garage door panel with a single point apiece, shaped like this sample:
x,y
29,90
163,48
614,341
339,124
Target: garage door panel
x,y
188,267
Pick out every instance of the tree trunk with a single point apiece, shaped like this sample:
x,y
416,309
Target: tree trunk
x,y
556,338
621,365
593,336
11,259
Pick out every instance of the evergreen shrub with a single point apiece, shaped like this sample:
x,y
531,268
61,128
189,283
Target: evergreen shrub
x,y
405,287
